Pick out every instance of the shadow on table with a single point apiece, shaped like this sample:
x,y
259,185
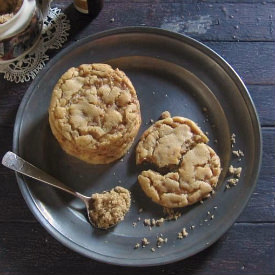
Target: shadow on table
x,y
78,21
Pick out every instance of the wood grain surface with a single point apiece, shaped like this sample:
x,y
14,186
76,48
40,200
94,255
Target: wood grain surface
x,y
242,32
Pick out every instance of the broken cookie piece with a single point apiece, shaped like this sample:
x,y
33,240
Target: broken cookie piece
x,y
194,179
164,143
109,208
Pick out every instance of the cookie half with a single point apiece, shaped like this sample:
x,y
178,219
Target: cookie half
x,y
164,143
94,113
195,178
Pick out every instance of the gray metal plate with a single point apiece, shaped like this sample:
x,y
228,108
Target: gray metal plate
x,y
170,72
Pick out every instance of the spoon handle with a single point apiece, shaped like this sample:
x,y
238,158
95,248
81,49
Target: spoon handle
x,y
14,162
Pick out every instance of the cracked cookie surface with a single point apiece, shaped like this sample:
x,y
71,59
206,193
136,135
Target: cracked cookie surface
x,y
164,143
94,113
195,178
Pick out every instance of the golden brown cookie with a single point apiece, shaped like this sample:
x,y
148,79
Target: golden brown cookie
x,y
94,113
194,179
164,143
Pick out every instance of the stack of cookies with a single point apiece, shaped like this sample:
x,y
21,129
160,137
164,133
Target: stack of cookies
x,y
94,113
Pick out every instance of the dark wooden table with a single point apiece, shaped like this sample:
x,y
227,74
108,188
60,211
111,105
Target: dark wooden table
x,y
242,31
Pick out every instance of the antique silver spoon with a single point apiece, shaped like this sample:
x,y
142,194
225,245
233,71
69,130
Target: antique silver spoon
x,y
16,163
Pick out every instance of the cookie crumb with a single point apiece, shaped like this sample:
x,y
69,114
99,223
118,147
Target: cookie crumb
x,y
160,241
138,218
144,242
112,20
233,139
204,109
134,224
140,210
153,249
165,114
233,181
215,207
227,186
151,120
201,201
147,222
137,246
235,171
166,95
154,93
160,221
212,217
122,160
171,214
192,226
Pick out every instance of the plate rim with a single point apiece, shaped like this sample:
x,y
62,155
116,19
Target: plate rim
x,y
134,29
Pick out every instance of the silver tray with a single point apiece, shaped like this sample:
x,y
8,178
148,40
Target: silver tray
x,y
170,72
